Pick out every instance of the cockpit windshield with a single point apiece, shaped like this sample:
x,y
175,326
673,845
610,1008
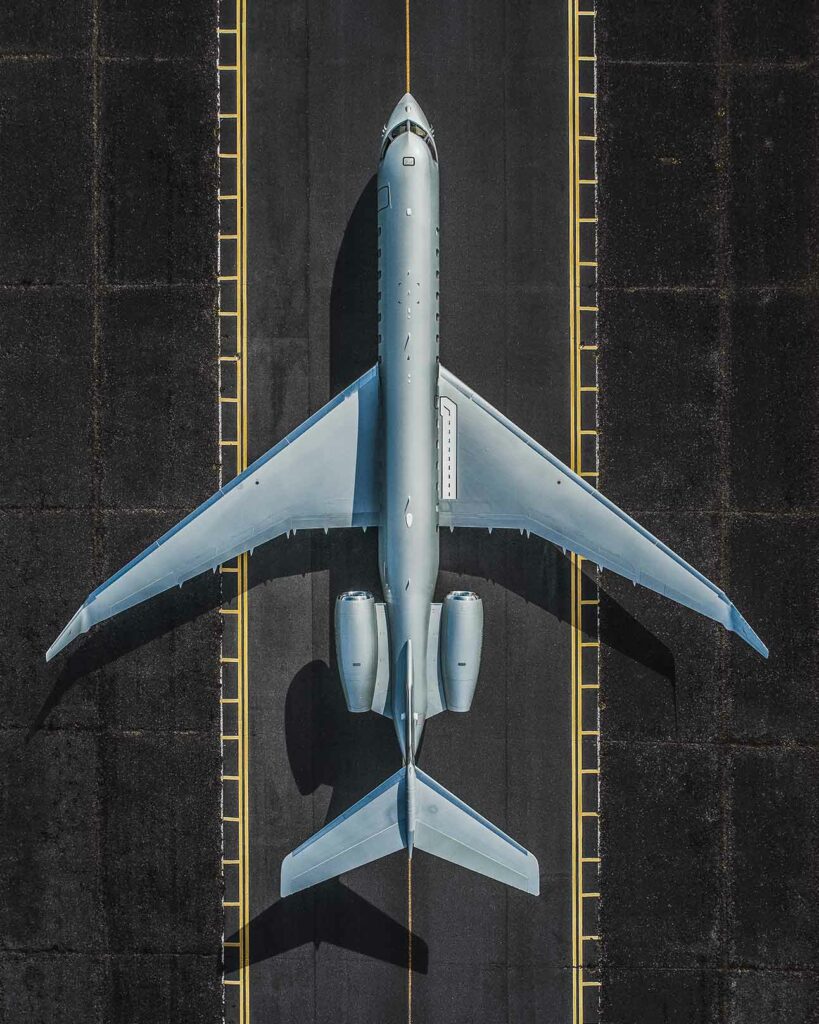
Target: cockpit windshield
x,y
416,129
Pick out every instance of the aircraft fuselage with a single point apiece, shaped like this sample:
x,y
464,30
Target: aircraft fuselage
x,y
408,254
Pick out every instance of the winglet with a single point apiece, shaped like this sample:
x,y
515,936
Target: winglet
x,y
739,626
80,623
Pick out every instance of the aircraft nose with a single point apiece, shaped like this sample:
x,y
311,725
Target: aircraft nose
x,y
407,109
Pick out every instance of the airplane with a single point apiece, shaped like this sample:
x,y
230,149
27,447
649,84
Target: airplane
x,y
409,450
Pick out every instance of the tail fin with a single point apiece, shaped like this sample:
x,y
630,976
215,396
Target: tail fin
x,y
410,807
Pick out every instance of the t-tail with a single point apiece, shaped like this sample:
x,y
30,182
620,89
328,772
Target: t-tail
x,y
410,811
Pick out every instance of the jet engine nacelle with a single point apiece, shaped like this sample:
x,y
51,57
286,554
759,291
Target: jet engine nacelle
x,y
460,650
357,647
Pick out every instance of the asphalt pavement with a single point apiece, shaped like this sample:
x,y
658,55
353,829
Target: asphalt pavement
x,y
321,84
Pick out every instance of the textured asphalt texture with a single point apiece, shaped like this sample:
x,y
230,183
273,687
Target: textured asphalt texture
x,y
709,377
109,857
109,757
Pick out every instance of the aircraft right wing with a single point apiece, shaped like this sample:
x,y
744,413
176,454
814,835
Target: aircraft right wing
x,y
495,476
323,474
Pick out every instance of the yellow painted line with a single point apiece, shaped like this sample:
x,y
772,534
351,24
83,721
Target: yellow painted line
x,y
407,40
591,938
587,58
590,600
590,814
588,348
590,860
589,732
590,984
588,433
587,263
590,771
409,940
588,309
587,95
590,895
590,686
227,31
587,14
587,138
586,220
589,643
235,270
242,561
588,387
227,818
588,181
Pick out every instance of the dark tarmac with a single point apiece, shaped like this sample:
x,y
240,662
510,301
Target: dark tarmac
x,y
111,797
709,375
498,105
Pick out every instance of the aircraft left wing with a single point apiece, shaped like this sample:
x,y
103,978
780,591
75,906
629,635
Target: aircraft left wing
x,y
323,474
495,476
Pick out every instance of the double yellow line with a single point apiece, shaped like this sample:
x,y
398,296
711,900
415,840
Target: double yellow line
x,y
584,670
233,41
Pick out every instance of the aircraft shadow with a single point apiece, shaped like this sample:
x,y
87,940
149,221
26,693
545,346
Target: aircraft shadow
x,y
531,567
330,912
326,745
126,633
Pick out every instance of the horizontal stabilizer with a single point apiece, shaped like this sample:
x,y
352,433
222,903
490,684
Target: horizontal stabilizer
x,y
446,827
410,808
368,830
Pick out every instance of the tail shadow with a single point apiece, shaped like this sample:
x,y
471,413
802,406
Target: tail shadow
x,y
332,913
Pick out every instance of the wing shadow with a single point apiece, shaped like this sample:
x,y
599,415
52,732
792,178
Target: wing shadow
x,y
538,572
532,568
